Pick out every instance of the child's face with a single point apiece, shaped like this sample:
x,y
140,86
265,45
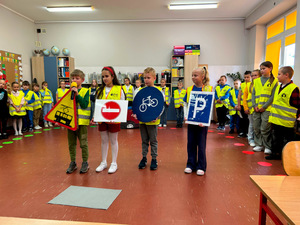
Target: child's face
x,y
25,87
222,80
138,83
265,71
78,80
107,78
254,75
162,83
126,82
63,85
15,87
197,77
94,83
2,84
36,88
179,85
247,78
283,78
149,79
236,84
45,86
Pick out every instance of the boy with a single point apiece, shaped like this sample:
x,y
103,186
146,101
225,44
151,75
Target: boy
x,y
284,111
60,92
222,101
3,110
128,90
149,130
29,97
166,93
83,109
47,101
233,107
179,103
37,107
138,87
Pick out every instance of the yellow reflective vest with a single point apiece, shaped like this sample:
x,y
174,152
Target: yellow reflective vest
x,y
178,97
47,96
61,92
27,98
282,113
129,93
17,103
249,98
166,93
220,94
243,86
83,114
232,110
37,104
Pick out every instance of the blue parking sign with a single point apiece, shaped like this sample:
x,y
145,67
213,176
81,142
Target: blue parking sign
x,y
200,108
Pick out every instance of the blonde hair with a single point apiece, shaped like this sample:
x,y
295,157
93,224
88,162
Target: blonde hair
x,y
150,70
78,73
204,71
287,70
252,83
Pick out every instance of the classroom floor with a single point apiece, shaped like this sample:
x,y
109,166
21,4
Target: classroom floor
x,y
33,173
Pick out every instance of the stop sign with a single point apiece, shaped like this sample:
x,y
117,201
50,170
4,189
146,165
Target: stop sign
x,y
110,110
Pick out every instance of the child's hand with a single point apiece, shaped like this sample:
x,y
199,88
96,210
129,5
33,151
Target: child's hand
x,y
219,101
75,89
201,125
256,109
18,109
134,116
185,119
247,111
262,109
52,104
167,103
153,121
92,121
238,108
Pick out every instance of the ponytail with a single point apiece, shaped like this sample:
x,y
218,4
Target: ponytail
x,y
269,65
206,76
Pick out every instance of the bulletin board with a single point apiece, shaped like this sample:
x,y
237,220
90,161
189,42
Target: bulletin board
x,y
11,66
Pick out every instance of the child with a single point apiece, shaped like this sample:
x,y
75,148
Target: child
x,y
222,101
92,90
47,101
178,103
197,134
244,121
16,108
29,97
60,92
3,110
283,113
138,87
149,130
37,108
109,89
233,107
262,98
166,93
128,90
83,109
247,104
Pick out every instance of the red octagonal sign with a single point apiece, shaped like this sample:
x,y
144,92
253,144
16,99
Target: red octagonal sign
x,y
110,110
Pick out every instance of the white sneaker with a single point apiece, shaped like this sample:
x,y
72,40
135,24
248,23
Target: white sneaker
x,y
159,125
20,133
50,124
113,168
252,144
188,170
258,148
37,128
101,167
16,133
200,172
46,124
268,151
165,125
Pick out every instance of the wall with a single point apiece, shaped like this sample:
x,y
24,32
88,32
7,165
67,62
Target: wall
x,y
256,46
17,36
130,45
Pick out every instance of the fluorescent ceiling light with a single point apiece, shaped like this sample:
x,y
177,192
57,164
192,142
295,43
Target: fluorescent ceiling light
x,y
193,6
70,8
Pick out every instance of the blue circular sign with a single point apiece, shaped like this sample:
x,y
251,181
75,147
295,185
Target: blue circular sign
x,y
148,104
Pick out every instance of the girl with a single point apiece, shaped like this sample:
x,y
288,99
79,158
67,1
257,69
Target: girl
x,y
47,101
165,90
197,134
16,108
61,91
247,103
262,98
178,103
109,89
128,90
92,90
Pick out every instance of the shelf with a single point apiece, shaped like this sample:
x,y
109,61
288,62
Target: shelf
x,y
177,66
178,77
64,77
63,66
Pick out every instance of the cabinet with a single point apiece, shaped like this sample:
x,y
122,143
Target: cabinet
x,y
64,68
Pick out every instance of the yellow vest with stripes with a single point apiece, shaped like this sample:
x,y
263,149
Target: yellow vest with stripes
x,y
83,114
220,94
263,93
129,93
189,89
61,93
243,86
27,98
166,93
231,109
37,104
47,96
17,103
249,98
282,113
178,98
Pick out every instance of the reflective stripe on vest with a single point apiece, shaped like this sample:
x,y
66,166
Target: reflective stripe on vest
x,y
129,93
178,98
231,109
220,94
282,113
84,114
17,103
61,93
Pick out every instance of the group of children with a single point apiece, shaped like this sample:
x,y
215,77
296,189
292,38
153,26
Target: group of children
x,y
260,108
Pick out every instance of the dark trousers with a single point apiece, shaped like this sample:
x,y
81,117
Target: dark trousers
x,y
196,144
28,119
244,122
280,137
221,113
179,115
163,118
3,125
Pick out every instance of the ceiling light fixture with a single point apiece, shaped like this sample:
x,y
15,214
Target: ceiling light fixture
x,y
70,8
175,6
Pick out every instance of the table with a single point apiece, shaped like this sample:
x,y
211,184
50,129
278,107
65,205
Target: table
x,y
283,192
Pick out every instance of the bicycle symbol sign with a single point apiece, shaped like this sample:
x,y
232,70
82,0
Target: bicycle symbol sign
x,y
148,102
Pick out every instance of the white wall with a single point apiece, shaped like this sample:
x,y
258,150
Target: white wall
x,y
141,44
256,46
17,36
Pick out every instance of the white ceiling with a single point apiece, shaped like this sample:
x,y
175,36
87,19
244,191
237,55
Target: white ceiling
x,y
130,10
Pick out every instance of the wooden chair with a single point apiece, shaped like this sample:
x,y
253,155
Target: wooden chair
x,y
291,158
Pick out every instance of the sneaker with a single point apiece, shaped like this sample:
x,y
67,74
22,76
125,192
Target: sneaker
x,y
72,168
50,124
200,172
160,125
222,128
84,167
46,124
188,170
16,133
37,128
268,151
4,136
231,131
241,135
258,148
143,163
177,126
218,128
101,167
30,129
113,168
252,144
24,130
273,157
20,133
153,165
165,125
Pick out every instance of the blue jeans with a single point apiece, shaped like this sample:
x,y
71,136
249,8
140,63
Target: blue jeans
x,y
163,118
235,120
28,119
46,109
179,115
